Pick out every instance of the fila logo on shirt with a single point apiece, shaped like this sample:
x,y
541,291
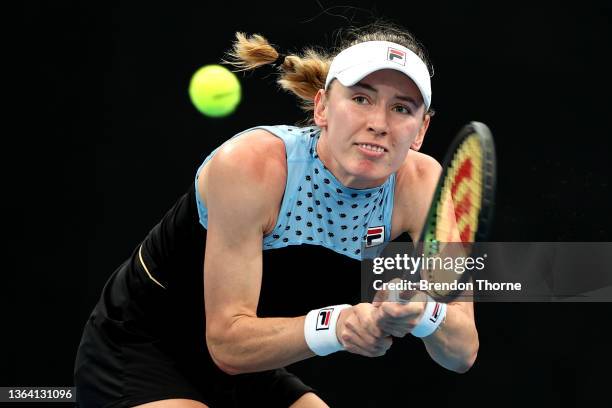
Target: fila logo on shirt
x,y
375,236
324,318
397,56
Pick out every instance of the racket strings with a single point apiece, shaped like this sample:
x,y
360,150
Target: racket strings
x,y
461,194
455,219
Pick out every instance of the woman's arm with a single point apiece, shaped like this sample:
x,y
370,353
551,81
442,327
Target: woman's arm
x,y
243,187
454,344
240,190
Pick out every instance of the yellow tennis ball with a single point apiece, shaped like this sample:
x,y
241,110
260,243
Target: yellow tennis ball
x,y
215,90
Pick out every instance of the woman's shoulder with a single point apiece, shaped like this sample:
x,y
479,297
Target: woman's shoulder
x,y
415,184
254,150
418,169
254,159
252,141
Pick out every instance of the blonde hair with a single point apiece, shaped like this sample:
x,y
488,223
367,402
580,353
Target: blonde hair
x,y
305,73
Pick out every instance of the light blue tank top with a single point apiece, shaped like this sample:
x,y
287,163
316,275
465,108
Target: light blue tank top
x,y
316,208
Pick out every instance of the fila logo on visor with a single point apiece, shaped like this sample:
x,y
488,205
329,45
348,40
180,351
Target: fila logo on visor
x,y
396,56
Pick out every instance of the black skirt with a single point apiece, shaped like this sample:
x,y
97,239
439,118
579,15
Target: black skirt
x,y
132,352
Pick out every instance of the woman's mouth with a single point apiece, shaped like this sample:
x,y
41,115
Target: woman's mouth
x,y
371,150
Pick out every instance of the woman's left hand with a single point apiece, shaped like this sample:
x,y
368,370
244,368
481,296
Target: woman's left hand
x,y
397,319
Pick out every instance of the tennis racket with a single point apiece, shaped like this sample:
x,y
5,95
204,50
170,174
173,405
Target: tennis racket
x,y
460,214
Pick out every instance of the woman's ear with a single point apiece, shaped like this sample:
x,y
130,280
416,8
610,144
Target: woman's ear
x,y
418,141
320,108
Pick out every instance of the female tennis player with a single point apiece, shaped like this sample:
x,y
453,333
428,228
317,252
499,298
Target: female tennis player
x,y
213,303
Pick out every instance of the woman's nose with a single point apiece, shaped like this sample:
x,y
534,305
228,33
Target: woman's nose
x,y
377,121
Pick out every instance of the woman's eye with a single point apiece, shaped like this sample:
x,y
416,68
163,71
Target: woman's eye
x,y
360,99
403,109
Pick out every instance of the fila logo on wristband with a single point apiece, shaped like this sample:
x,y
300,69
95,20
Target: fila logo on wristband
x,y
320,330
324,318
432,317
436,313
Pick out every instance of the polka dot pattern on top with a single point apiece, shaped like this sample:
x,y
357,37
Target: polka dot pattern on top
x,y
317,209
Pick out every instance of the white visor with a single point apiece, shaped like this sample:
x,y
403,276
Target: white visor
x,y
360,60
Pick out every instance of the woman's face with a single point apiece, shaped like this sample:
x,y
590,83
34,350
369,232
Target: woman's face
x,y
368,128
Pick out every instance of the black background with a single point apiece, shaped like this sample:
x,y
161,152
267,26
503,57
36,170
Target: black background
x,y
107,139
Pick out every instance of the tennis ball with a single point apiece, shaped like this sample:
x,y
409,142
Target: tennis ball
x,y
214,90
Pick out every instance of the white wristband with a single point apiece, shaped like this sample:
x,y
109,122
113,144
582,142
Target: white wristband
x,y
433,315
320,330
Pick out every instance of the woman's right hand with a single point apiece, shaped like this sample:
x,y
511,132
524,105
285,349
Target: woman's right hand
x,y
358,332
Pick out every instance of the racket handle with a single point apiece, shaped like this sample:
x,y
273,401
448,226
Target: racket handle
x,y
394,296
